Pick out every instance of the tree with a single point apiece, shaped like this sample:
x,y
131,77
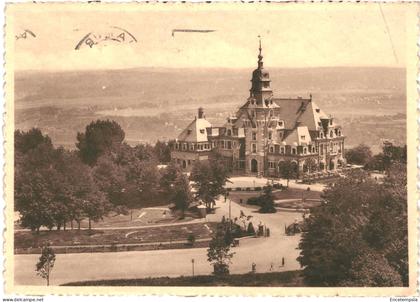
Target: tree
x,y
218,253
209,178
46,263
311,165
267,201
99,137
182,196
288,170
162,151
360,226
168,176
359,155
26,141
372,269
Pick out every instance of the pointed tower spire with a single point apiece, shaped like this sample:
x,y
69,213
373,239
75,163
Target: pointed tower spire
x,y
260,89
260,57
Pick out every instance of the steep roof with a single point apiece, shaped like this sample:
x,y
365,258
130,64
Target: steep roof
x,y
196,131
299,111
300,135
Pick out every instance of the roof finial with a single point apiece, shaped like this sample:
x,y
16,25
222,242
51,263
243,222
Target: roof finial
x,y
260,57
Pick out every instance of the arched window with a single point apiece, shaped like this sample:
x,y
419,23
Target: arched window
x,y
271,150
331,133
293,150
229,132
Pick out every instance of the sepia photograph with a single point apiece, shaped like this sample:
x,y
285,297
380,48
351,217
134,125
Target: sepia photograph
x,y
252,147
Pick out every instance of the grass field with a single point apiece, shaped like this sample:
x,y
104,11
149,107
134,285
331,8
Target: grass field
x,y
113,236
280,279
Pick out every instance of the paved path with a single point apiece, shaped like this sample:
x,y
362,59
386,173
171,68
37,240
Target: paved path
x,y
250,181
142,264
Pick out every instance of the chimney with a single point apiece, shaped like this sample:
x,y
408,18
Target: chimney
x,y
200,112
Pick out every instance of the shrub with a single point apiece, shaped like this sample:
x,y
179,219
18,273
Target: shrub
x,y
254,201
191,239
251,229
238,189
248,189
258,188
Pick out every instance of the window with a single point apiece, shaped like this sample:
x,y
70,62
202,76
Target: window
x,y
317,110
321,134
271,164
280,123
202,131
281,150
254,136
322,150
177,146
302,137
229,145
270,113
189,162
313,149
189,131
280,135
271,150
254,148
235,131
184,147
270,135
331,133
305,150
229,132
192,147
293,150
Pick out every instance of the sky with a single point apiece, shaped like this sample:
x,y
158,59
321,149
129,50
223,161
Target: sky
x,y
293,35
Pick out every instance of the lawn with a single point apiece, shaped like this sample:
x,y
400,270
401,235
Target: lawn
x,y
280,279
117,236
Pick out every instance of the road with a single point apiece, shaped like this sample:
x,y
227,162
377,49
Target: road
x,y
141,264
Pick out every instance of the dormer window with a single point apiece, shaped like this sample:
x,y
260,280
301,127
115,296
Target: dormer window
x,y
317,110
281,123
189,131
303,137
202,131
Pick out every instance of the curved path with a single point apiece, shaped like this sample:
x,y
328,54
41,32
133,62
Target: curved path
x,y
264,252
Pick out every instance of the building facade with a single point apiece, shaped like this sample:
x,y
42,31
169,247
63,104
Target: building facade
x,y
264,132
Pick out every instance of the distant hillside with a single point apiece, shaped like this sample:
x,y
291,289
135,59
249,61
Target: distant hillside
x,y
167,85
156,103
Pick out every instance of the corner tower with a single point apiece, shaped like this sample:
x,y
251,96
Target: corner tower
x,y
260,91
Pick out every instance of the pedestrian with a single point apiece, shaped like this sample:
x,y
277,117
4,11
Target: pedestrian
x,y
282,261
271,266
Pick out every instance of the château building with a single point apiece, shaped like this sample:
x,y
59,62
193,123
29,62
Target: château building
x,y
265,131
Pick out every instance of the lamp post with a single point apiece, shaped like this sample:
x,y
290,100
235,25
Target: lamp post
x,y
192,263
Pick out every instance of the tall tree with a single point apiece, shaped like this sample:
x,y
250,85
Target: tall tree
x,y
209,178
182,196
46,263
218,253
99,137
288,170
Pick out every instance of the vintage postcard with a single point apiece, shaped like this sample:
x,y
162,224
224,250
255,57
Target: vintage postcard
x,y
172,148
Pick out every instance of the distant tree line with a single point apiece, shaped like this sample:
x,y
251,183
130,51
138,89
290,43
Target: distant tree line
x,y
362,155
55,187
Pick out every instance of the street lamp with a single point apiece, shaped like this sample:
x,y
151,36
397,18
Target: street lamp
x,y
192,262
